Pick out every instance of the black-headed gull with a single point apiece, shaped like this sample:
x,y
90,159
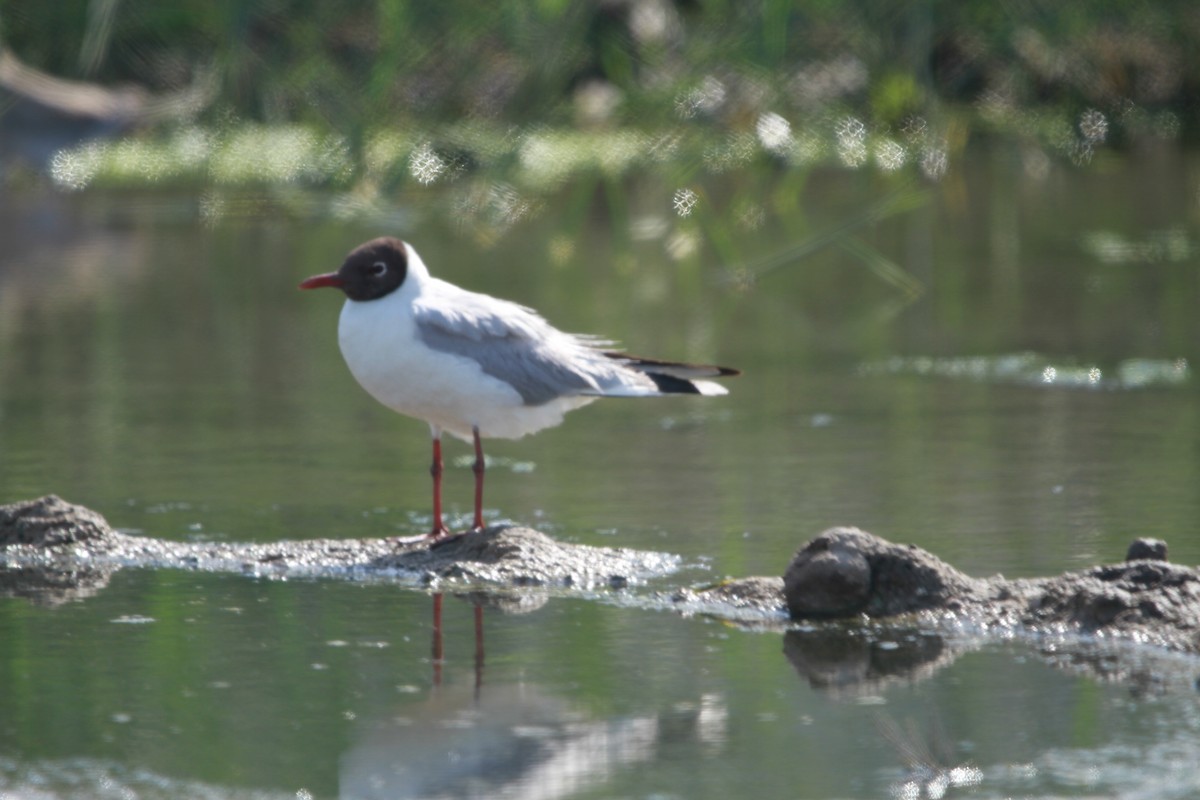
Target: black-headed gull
x,y
473,365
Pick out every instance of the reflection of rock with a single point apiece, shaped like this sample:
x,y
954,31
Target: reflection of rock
x,y
836,660
52,586
60,255
513,741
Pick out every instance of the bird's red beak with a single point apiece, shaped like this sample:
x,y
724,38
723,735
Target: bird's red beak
x,y
320,281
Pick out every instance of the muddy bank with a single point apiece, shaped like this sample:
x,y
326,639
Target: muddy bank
x,y
54,550
67,542
1144,599
846,573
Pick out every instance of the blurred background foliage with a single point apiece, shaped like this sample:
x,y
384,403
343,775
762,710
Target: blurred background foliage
x,y
352,63
463,80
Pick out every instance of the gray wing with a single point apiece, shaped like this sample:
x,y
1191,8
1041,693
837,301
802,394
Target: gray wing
x,y
515,345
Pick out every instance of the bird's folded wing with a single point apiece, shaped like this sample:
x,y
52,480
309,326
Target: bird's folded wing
x,y
514,345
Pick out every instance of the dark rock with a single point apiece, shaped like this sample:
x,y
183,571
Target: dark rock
x,y
50,521
846,571
1147,549
827,579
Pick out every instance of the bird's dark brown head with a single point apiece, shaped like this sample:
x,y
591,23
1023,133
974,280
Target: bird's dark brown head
x,y
371,271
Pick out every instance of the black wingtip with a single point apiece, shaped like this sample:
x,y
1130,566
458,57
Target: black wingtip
x,y
669,384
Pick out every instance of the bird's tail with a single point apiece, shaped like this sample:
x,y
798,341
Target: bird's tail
x,y
673,377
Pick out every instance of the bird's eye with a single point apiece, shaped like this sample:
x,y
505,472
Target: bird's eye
x,y
377,269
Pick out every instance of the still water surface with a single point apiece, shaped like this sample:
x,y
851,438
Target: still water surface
x,y
1021,400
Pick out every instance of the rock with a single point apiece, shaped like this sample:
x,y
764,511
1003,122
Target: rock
x,y
846,571
764,593
48,533
50,521
517,556
1150,601
1147,549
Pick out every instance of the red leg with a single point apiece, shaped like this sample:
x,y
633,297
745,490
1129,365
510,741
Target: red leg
x,y
436,469
478,469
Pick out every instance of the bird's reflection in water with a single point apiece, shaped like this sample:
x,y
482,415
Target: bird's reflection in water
x,y
508,740
927,760
438,655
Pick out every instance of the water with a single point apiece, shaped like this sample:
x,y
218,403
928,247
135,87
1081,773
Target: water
x,y
1003,373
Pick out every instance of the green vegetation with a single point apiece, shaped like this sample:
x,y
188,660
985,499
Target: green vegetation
x,y
354,64
388,92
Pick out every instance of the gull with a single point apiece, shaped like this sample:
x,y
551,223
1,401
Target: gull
x,y
476,366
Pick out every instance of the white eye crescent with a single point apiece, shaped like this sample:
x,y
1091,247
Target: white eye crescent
x,y
377,269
